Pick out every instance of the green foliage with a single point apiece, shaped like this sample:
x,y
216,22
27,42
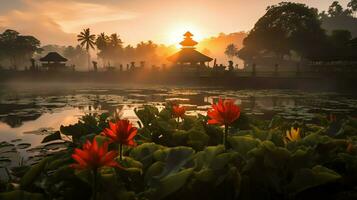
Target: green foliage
x,y
21,195
88,124
54,136
182,160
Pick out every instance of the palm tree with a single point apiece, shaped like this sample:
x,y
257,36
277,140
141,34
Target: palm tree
x,y
115,40
102,43
87,40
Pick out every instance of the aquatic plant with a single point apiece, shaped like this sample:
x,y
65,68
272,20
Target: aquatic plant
x,y
292,135
224,113
178,112
121,132
173,162
92,157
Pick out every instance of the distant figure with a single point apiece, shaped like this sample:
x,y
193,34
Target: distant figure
x,y
222,67
127,67
95,66
132,66
142,64
276,69
121,67
154,68
230,66
33,67
215,63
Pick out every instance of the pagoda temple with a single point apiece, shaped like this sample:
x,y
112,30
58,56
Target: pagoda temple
x,y
188,55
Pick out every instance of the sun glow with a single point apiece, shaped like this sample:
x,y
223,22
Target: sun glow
x,y
175,34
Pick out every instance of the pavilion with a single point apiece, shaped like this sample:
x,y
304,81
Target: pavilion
x,y
54,62
188,56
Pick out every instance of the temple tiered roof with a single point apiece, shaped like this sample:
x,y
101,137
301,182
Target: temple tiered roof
x,y
188,54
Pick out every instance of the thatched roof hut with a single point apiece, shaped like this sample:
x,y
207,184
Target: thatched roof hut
x,y
53,57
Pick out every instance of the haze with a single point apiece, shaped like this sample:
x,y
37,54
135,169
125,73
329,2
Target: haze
x,y
163,21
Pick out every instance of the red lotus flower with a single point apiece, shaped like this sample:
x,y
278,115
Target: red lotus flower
x,y
92,156
121,132
225,112
178,111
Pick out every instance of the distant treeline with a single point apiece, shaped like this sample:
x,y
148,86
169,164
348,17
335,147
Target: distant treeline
x,y
294,31
289,31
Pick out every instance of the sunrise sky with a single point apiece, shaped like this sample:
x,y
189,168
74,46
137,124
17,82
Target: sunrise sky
x,y
163,21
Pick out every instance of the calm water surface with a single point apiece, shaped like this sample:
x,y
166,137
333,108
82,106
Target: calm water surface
x,y
27,114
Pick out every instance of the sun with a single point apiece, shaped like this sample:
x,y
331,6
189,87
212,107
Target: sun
x,y
175,34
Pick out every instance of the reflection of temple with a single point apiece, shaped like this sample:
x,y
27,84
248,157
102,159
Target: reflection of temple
x,y
54,62
188,56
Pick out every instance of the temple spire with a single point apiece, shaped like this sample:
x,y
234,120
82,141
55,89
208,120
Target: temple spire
x,y
188,42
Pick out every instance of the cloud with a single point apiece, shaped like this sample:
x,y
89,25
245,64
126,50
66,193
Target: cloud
x,y
59,21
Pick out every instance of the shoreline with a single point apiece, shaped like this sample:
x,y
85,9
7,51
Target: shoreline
x,y
309,81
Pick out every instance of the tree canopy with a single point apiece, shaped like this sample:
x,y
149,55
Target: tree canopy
x,y
284,28
293,27
16,48
231,51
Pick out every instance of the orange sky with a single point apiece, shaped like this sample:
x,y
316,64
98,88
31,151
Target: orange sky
x,y
163,21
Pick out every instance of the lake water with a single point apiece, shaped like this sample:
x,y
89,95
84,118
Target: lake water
x,y
29,113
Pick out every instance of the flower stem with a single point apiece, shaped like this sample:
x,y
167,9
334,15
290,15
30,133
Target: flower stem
x,y
225,136
121,151
95,176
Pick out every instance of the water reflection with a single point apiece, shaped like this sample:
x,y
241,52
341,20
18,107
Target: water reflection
x,y
29,115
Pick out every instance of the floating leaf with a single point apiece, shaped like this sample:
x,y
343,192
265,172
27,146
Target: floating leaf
x,y
55,136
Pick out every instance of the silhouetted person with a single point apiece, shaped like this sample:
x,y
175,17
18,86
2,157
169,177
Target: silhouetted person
x,y
230,66
127,67
142,64
95,66
33,67
221,67
132,66
121,67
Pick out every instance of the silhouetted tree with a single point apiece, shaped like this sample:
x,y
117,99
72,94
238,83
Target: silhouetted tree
x,y
102,43
338,18
335,9
352,5
284,28
231,51
17,48
87,40
76,55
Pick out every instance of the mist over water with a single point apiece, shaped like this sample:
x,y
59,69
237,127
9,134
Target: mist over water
x,y
29,112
